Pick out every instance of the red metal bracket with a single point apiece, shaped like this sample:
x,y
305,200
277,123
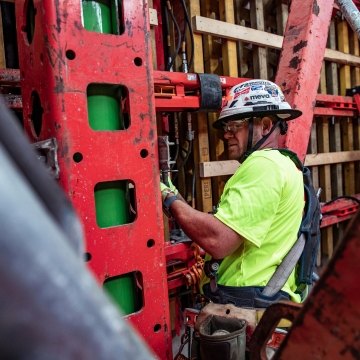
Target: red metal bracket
x,y
176,91
333,105
339,210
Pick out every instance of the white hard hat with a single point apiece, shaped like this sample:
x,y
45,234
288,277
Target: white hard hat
x,y
255,98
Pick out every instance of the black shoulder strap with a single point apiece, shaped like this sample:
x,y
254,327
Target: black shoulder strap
x,y
309,228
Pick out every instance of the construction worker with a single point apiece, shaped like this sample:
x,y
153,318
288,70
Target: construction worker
x,y
260,211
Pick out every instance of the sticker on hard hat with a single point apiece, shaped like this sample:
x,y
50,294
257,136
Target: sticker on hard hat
x,y
258,97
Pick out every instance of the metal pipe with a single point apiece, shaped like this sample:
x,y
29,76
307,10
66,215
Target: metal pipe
x,y
351,14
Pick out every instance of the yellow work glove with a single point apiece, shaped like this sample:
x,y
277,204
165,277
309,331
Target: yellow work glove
x,y
166,190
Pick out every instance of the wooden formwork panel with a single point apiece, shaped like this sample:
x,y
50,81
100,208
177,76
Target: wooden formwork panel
x,y
244,38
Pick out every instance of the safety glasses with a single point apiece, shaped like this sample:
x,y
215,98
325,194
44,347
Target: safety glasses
x,y
235,126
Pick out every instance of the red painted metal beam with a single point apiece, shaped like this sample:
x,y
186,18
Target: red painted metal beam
x,y
300,64
59,58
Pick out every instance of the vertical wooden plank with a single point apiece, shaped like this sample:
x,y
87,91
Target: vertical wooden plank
x,y
348,145
345,82
153,40
2,46
354,50
355,81
213,66
212,48
259,53
230,68
282,13
322,84
343,40
332,68
335,132
325,181
242,51
226,10
201,142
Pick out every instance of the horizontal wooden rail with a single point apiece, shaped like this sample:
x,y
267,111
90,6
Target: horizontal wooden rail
x,y
228,167
226,30
332,158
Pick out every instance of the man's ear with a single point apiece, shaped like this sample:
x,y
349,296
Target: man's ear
x,y
266,125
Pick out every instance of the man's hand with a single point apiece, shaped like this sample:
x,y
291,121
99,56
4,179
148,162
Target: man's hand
x,y
166,190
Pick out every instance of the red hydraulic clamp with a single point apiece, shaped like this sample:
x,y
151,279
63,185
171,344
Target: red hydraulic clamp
x,y
176,91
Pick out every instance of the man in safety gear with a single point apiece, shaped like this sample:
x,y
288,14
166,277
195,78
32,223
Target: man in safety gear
x,y
257,220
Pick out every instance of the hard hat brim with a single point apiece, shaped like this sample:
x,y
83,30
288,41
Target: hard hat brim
x,y
284,114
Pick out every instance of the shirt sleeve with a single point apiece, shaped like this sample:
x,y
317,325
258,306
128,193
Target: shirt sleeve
x,y
251,199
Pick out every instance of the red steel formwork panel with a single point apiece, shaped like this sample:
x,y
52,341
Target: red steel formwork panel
x,y
300,63
60,62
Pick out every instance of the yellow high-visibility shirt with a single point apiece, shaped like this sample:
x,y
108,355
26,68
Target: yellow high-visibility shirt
x,y
263,202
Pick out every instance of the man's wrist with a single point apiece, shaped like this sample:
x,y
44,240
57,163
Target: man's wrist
x,y
170,198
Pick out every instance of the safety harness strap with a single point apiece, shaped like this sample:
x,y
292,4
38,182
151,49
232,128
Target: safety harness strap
x,y
283,271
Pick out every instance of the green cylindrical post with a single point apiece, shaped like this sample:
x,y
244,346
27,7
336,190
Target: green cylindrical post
x,y
112,203
104,111
97,16
123,291
104,107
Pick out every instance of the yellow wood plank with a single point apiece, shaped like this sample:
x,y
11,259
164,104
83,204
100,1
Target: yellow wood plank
x,y
228,167
260,62
201,143
282,14
354,50
349,168
229,52
345,82
322,85
332,158
324,147
218,168
333,88
224,30
212,48
242,51
332,72
325,183
152,17
343,40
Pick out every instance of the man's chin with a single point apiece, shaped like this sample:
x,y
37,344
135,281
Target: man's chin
x,y
233,155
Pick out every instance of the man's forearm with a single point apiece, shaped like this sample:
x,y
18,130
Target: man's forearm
x,y
211,234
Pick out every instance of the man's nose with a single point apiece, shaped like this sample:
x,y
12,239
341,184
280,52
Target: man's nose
x,y
228,135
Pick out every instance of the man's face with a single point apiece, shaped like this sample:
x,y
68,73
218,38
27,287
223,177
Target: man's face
x,y
236,134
